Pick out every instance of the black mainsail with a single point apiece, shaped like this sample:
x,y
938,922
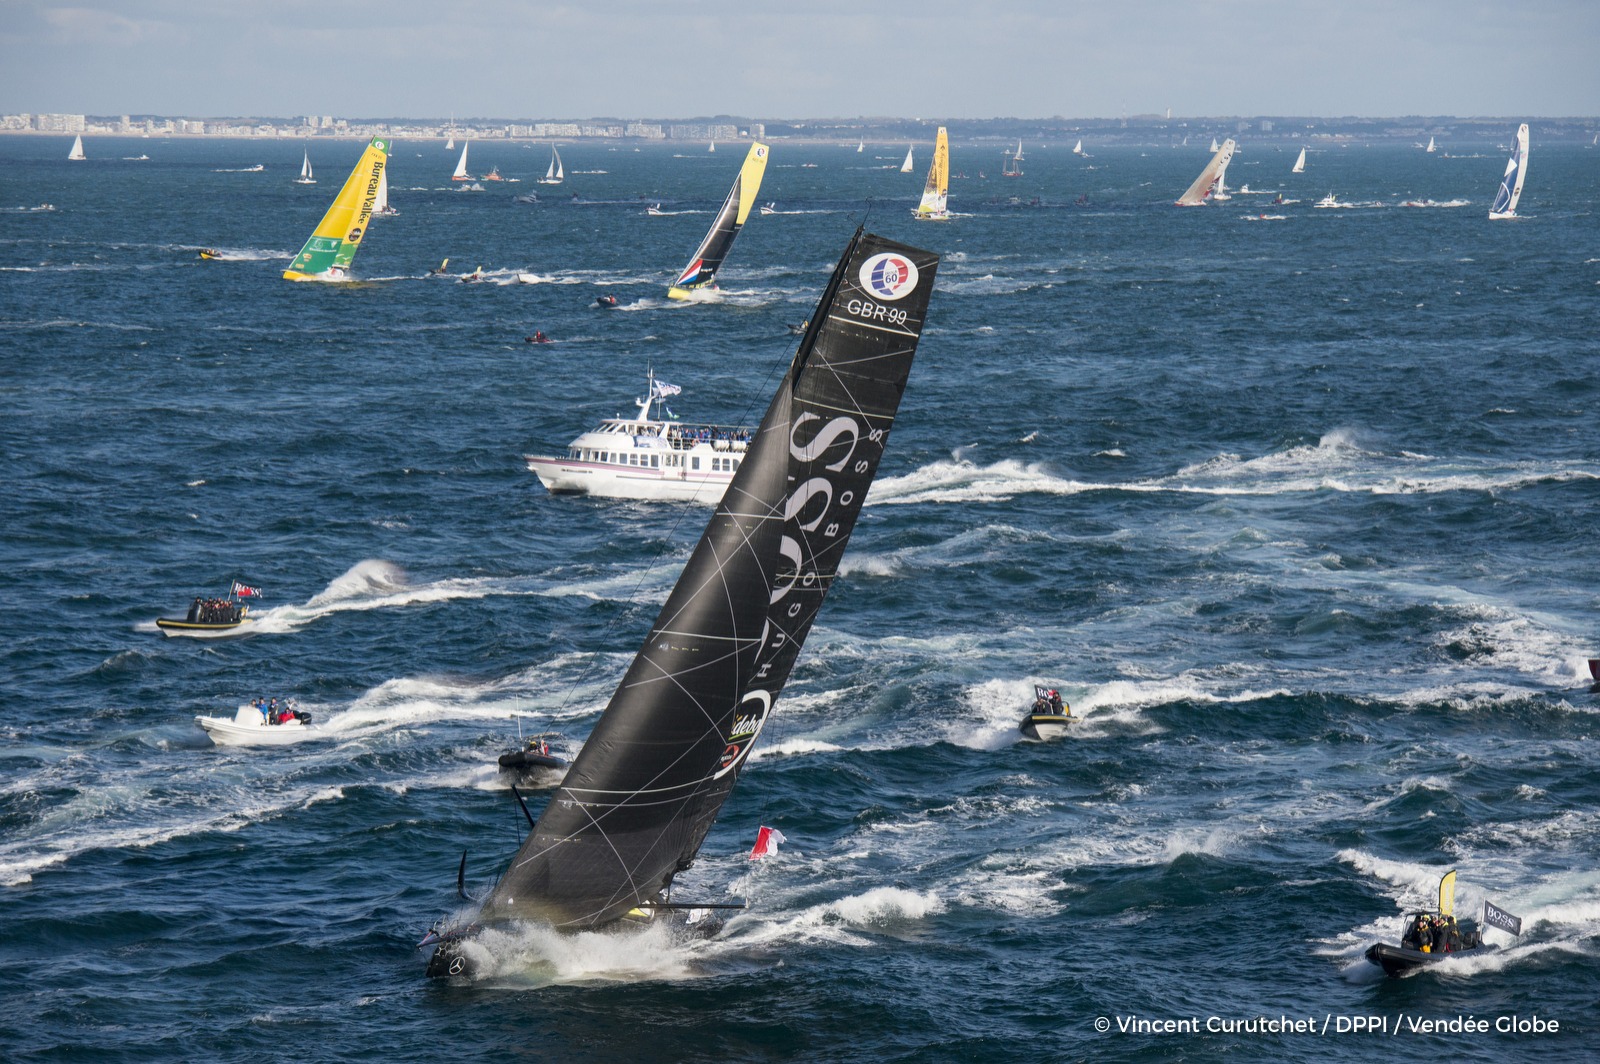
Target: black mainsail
x,y
642,794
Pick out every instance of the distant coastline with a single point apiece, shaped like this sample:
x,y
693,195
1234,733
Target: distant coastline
x,y
1141,131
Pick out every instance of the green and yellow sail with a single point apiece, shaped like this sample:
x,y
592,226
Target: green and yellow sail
x,y
707,259
327,255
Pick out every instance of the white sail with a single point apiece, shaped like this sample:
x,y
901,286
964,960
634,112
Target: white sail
x,y
1018,156
554,174
461,164
1430,144
712,146
861,146
905,167
1300,163
1505,200
1214,144
1077,149
306,176
1197,192
380,205
77,149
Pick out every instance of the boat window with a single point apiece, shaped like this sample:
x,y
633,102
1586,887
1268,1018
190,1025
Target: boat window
x,y
694,462
655,461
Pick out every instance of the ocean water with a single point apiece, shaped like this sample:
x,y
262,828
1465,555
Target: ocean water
x,y
1297,512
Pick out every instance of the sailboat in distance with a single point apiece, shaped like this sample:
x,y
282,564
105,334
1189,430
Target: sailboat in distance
x,y
1197,192
640,797
461,164
76,152
554,174
1505,200
707,258
1300,163
905,167
326,256
381,207
306,176
936,193
1429,148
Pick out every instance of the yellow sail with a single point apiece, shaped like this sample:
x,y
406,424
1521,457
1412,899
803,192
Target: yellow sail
x,y
326,256
936,193
1447,894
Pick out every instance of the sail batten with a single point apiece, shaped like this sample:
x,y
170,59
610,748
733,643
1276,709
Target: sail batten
x,y
708,257
645,789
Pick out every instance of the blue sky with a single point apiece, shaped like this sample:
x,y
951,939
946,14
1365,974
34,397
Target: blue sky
x,y
805,58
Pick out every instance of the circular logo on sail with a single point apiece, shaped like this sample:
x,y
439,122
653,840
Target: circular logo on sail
x,y
888,275
355,235
748,721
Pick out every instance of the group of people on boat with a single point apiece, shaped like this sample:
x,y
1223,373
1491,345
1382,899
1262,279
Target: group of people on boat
x,y
272,713
1050,702
707,434
538,337
215,611
1432,933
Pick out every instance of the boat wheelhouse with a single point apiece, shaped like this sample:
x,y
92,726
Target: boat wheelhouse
x,y
647,457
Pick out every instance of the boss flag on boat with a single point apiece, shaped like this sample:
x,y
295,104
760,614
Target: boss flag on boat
x,y
245,591
1495,916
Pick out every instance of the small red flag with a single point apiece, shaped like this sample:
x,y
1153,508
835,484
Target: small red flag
x,y
767,840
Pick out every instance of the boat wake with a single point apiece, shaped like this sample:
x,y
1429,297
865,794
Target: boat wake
x,y
1335,463
524,277
372,585
242,254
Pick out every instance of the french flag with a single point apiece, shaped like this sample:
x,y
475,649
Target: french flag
x,y
767,840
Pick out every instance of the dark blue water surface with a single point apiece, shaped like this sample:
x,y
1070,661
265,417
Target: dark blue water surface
x,y
1298,512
